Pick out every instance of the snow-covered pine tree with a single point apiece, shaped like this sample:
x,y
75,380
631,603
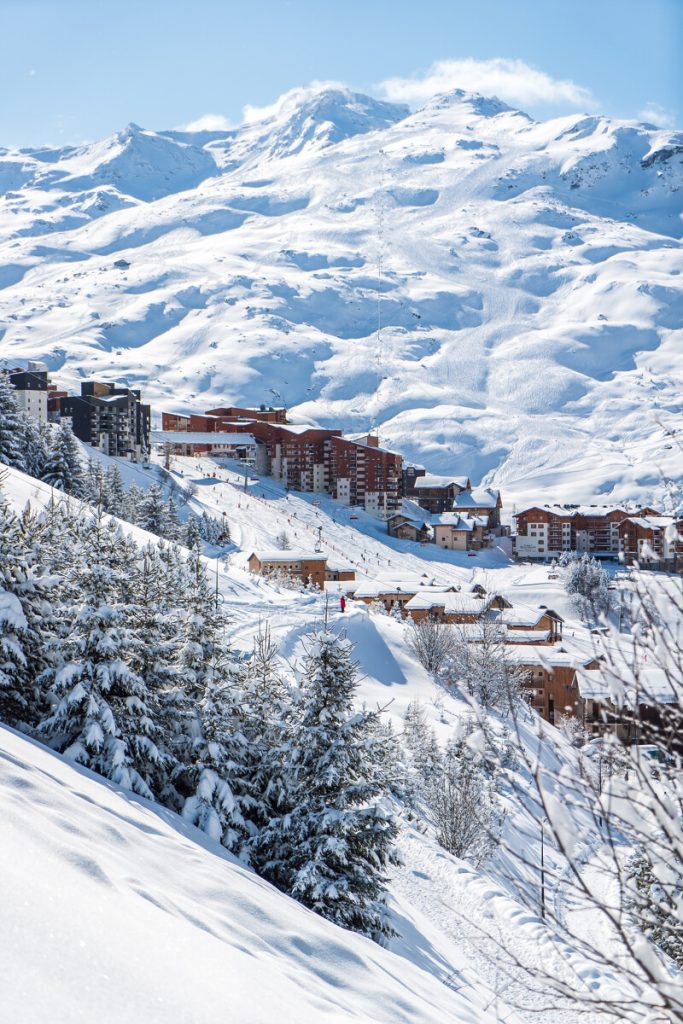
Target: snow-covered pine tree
x,y
26,616
153,512
100,716
64,469
132,504
587,582
173,530
36,441
335,835
153,621
93,485
424,753
267,715
192,537
11,422
209,745
115,491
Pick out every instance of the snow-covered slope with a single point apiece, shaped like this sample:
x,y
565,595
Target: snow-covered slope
x,y
120,911
502,296
113,911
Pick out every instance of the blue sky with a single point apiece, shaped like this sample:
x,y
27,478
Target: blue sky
x,y
75,70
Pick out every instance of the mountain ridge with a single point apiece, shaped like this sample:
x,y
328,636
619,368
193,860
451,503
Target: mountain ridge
x,y
498,295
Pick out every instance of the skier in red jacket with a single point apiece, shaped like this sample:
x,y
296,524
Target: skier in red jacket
x,y
342,603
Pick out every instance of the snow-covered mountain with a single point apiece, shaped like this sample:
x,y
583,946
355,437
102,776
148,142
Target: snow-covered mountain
x,y
501,296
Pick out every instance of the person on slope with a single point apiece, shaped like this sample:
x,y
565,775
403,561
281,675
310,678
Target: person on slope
x,y
342,603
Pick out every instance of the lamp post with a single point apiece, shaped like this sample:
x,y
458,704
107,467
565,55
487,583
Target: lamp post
x,y
543,868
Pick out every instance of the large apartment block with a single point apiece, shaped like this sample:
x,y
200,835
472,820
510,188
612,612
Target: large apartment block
x,y
30,389
109,417
362,473
356,471
546,531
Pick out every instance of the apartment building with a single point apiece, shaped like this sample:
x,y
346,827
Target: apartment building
x,y
109,417
362,473
654,541
31,389
546,531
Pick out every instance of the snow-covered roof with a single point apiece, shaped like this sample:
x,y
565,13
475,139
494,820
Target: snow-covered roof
x,y
464,524
338,566
622,684
452,603
434,480
201,437
289,556
653,522
526,636
525,615
479,497
373,588
552,657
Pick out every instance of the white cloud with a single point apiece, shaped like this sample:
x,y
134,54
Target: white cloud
x,y
208,123
653,113
289,100
513,81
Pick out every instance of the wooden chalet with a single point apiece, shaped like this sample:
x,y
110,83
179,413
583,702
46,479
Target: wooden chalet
x,y
307,566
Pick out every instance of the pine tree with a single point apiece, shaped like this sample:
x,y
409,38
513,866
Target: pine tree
x,y
115,491
25,614
209,745
100,717
153,512
193,535
422,746
335,835
587,582
36,440
64,470
11,422
132,505
173,530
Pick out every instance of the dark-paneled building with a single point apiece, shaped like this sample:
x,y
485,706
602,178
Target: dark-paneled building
x,y
109,417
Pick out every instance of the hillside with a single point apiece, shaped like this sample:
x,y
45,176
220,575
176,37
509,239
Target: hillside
x,y
497,294
149,898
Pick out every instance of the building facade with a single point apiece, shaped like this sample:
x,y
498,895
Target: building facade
x,y
31,390
109,417
308,567
546,531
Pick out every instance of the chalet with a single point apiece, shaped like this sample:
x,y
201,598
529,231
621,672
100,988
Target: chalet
x,y
617,700
459,533
392,593
339,572
479,501
655,541
307,566
407,527
525,624
435,493
551,678
453,607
